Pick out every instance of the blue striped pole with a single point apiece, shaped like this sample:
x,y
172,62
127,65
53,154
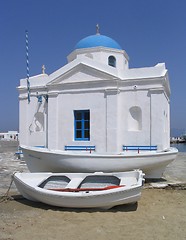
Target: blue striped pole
x,y
27,67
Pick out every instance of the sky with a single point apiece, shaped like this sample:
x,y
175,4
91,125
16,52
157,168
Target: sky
x,y
150,31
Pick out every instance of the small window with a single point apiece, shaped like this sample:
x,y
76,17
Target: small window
x,y
112,61
82,125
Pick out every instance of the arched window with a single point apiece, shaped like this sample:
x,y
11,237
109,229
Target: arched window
x,y
112,61
135,119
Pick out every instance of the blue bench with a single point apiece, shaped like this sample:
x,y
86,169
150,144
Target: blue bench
x,y
140,148
41,146
80,148
19,153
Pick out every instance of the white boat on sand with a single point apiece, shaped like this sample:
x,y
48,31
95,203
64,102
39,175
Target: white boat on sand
x,y
81,190
152,163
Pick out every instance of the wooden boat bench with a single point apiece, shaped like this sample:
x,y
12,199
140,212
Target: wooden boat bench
x,y
74,183
140,148
127,181
80,148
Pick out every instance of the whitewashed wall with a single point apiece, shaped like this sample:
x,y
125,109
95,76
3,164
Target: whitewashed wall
x,y
32,121
127,107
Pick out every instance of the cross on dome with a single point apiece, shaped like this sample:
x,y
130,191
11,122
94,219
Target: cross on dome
x,y
43,69
97,29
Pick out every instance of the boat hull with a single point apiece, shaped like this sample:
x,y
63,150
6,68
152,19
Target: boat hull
x,y
153,163
28,186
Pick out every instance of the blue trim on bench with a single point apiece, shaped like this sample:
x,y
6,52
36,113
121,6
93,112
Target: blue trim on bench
x,y
42,146
80,148
141,148
19,153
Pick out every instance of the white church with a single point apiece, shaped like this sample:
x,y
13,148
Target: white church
x,y
96,100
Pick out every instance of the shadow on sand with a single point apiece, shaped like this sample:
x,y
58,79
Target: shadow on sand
x,y
154,180
120,208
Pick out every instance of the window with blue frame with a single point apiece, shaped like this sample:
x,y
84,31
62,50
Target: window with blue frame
x,y
82,125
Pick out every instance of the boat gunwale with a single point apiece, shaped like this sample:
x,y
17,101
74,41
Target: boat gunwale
x,y
125,188
170,151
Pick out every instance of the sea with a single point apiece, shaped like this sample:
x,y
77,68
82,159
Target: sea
x,y
180,146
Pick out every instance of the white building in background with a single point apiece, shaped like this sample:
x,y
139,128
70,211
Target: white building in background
x,y
9,136
96,99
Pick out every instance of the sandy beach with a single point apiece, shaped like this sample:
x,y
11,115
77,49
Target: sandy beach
x,y
160,213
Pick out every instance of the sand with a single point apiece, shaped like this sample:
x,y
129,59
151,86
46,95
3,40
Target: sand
x,y
160,214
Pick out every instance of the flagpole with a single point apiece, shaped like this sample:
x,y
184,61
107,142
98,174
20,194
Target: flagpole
x,y
27,67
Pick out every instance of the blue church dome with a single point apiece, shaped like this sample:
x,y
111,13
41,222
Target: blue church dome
x,y
97,41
